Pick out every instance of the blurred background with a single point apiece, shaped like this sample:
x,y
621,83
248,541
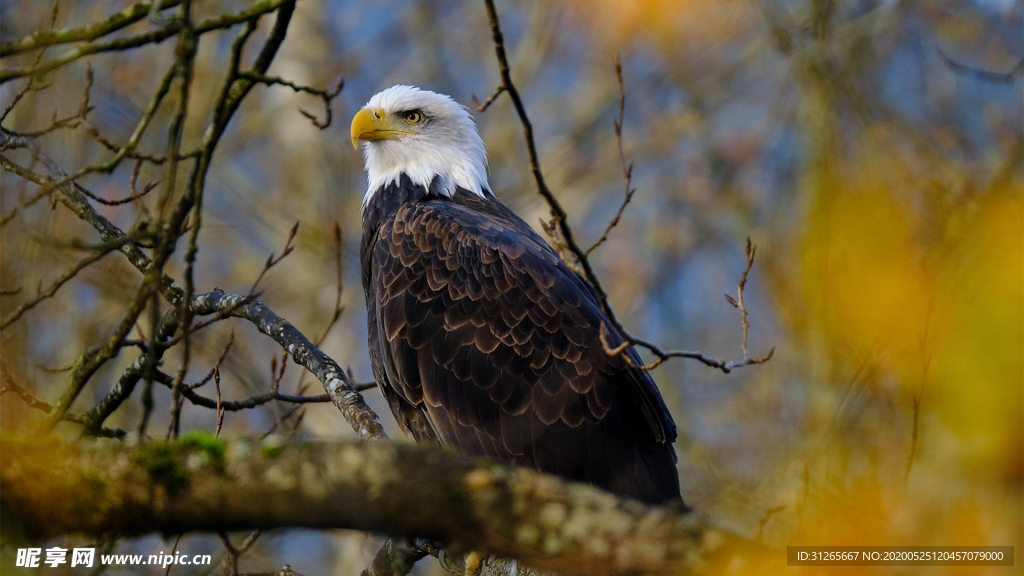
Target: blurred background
x,y
862,145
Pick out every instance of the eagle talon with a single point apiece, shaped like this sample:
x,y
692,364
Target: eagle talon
x,y
474,561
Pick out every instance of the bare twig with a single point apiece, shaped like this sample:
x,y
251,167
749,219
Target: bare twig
x,y
275,373
749,250
219,409
128,150
184,67
273,261
215,371
239,405
763,521
997,77
338,309
73,121
231,561
627,169
324,95
926,360
134,193
616,340
56,369
233,553
10,386
60,281
490,100
174,549
70,194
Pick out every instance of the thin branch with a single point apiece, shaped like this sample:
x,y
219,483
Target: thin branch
x,y
490,100
120,392
217,317
324,95
231,562
619,341
215,371
273,261
219,410
627,170
749,250
174,549
60,281
987,75
764,520
338,309
73,121
10,386
128,149
184,66
192,396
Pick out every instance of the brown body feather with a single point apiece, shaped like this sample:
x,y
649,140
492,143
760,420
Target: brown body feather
x,y
481,337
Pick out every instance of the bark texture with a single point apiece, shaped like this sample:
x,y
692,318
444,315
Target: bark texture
x,y
198,483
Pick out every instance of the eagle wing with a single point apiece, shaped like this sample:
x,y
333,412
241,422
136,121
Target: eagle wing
x,y
482,337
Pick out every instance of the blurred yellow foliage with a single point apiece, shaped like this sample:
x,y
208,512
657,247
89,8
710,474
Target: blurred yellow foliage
x,y
978,358
935,292
927,282
669,24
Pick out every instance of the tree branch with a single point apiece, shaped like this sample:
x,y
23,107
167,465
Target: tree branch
x,y
199,483
152,37
333,378
122,19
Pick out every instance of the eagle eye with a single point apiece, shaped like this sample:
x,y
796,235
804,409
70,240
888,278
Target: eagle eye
x,y
412,117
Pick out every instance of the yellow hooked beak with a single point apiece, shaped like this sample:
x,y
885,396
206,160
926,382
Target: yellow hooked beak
x,y
370,124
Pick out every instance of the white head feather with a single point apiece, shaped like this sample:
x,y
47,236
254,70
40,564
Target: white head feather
x,y
446,144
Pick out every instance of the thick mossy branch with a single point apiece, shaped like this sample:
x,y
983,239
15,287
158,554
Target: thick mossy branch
x,y
199,483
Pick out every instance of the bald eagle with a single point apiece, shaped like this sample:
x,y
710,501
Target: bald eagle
x,y
480,335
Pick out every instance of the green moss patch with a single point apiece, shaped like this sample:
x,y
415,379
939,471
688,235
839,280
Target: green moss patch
x,y
165,461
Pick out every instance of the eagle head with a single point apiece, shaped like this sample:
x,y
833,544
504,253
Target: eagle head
x,y
423,135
